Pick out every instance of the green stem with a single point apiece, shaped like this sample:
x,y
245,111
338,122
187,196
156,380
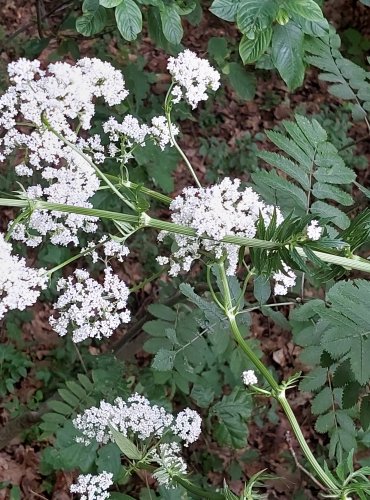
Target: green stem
x,y
72,259
195,490
91,163
277,391
145,221
167,107
138,187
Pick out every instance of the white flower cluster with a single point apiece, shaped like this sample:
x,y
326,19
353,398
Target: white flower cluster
x,y
110,249
130,133
170,463
63,95
135,416
88,308
314,231
193,77
19,285
283,280
93,487
215,212
249,378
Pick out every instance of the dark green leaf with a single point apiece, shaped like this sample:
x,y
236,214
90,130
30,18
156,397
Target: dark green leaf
x,y
171,24
250,50
287,54
225,9
243,83
129,19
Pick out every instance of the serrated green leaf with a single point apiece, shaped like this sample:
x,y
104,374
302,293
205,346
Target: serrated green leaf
x,y
261,289
350,395
325,422
314,380
128,448
287,54
129,19
85,382
109,459
328,191
162,311
285,165
343,374
325,211
251,50
322,401
225,9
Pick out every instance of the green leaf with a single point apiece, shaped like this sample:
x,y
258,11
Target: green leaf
x,y
314,380
90,5
287,54
251,50
325,422
128,448
308,9
225,9
218,49
171,24
322,401
261,289
365,412
328,191
109,459
60,407
202,395
68,397
85,381
162,312
243,83
110,3
91,22
350,394
76,389
347,318
255,15
163,360
129,19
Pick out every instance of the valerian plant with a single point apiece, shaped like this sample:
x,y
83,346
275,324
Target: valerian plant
x,y
281,229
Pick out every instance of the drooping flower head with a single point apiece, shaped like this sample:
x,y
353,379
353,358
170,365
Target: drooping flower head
x,y
193,77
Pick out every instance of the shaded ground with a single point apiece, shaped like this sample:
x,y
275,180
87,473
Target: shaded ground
x,y
19,462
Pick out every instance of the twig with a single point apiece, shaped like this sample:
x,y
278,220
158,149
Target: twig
x,y
288,439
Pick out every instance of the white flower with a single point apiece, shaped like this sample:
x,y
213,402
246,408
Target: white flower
x,y
215,212
93,487
19,285
135,417
91,309
284,279
170,463
130,128
65,96
115,249
314,231
249,377
188,426
160,131
193,77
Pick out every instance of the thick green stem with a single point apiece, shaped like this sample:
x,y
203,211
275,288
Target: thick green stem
x,y
145,221
277,391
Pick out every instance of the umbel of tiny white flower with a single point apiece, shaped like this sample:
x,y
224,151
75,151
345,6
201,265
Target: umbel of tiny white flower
x,y
20,285
249,378
93,487
193,77
65,95
138,417
88,308
314,231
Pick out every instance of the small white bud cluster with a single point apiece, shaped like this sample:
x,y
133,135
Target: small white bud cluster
x,y
167,456
138,417
249,378
88,308
284,279
215,212
193,77
19,285
93,487
314,231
